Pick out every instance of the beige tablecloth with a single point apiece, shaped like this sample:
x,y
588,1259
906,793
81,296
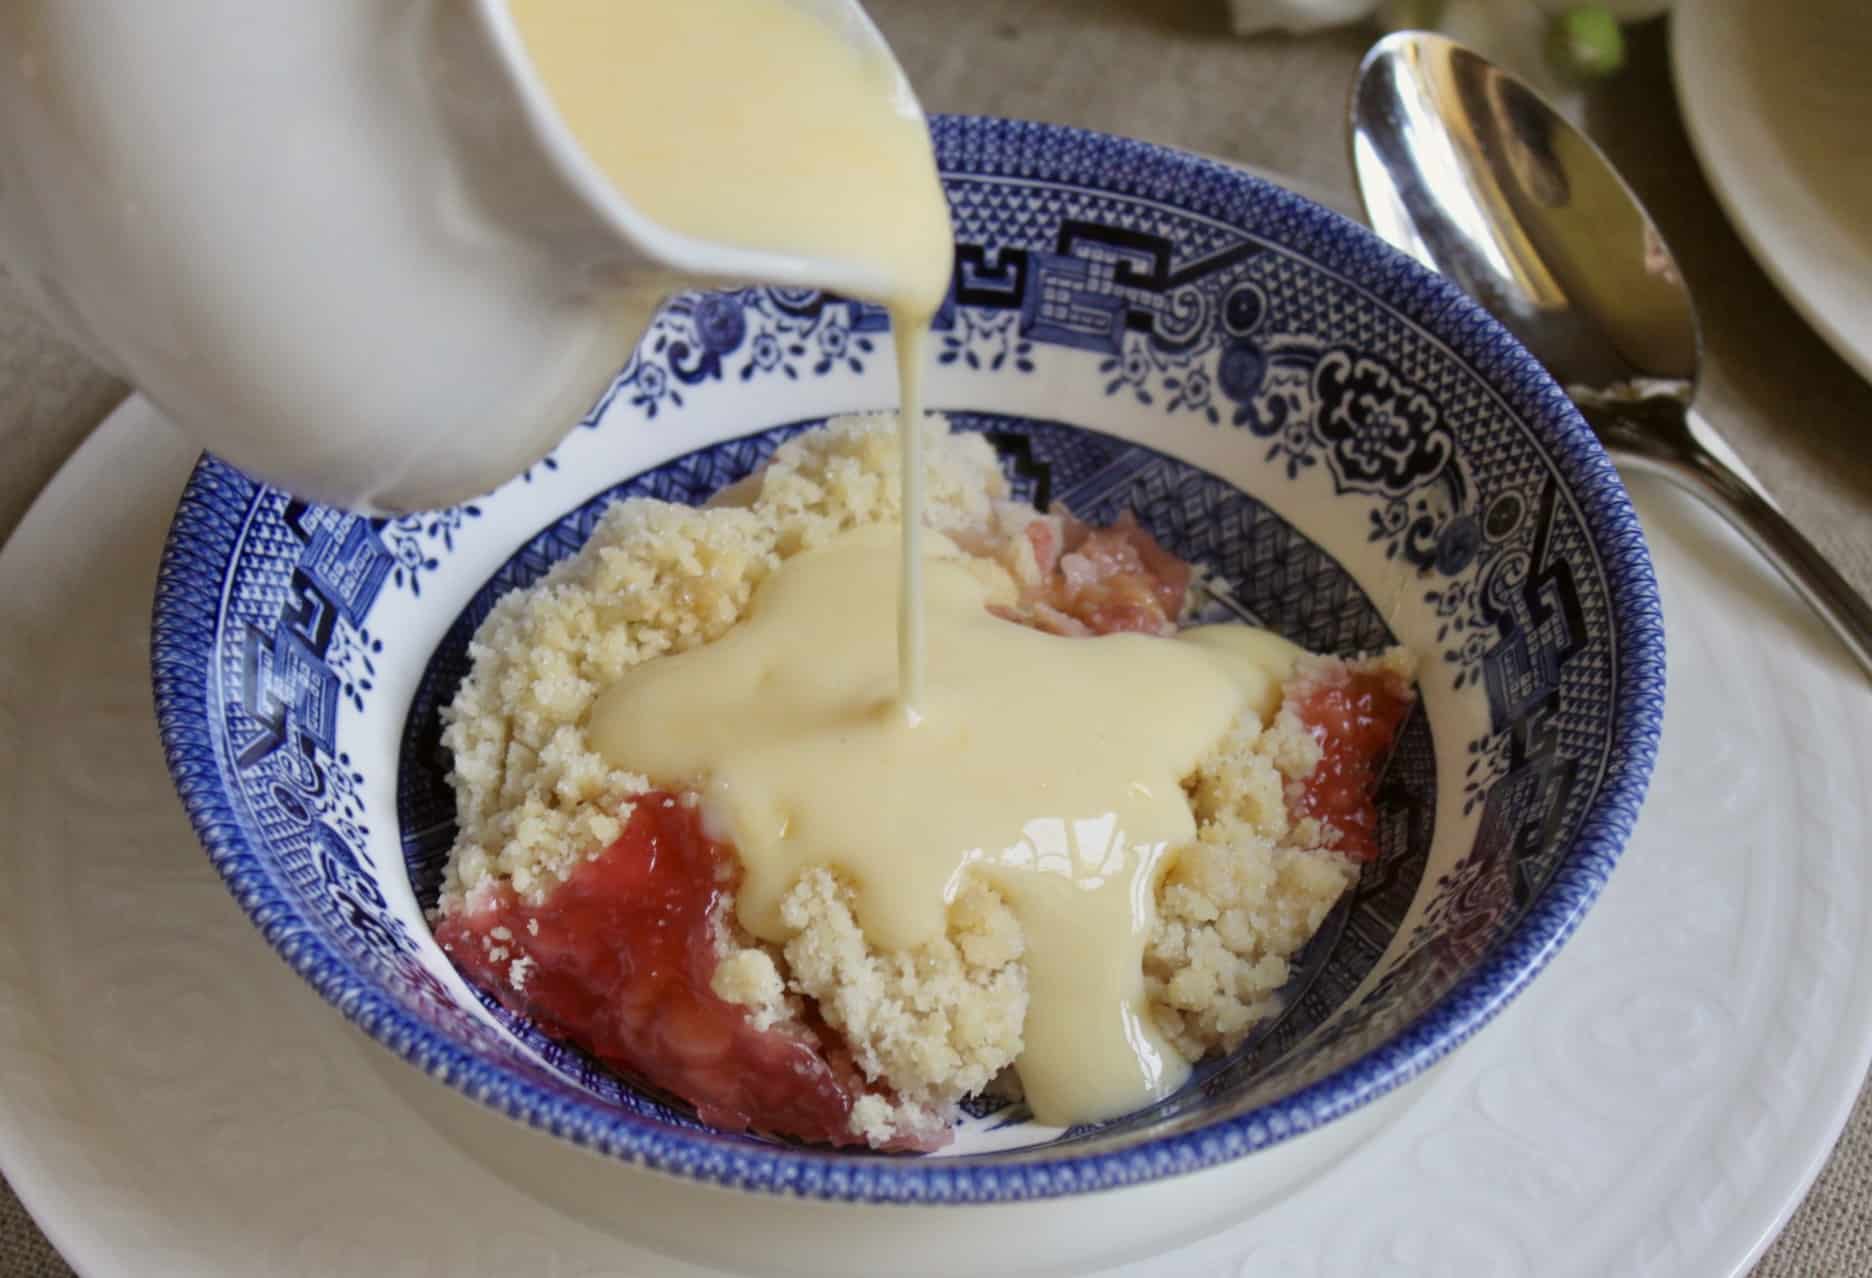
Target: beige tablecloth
x,y
1167,70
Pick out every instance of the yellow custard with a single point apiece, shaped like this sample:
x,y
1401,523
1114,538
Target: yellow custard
x,y
1050,767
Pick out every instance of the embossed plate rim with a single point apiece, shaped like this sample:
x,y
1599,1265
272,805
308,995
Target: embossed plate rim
x,y
63,1168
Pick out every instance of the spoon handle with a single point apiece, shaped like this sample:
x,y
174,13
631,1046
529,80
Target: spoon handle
x,y
1685,456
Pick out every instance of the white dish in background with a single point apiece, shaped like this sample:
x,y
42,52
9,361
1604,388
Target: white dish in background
x,y
177,1102
1777,99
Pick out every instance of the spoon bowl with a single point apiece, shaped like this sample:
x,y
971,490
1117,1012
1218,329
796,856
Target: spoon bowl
x,y
1469,171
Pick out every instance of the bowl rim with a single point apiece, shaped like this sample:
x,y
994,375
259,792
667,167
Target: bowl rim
x,y
186,612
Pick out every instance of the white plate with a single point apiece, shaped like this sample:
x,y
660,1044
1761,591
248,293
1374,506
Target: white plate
x,y
176,1102
1777,99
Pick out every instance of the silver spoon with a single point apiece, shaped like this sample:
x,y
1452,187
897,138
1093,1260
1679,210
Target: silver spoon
x,y
1467,170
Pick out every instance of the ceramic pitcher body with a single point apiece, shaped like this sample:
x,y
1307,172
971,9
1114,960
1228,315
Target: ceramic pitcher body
x,y
338,241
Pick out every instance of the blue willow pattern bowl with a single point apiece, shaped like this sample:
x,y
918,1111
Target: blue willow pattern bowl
x,y
1358,453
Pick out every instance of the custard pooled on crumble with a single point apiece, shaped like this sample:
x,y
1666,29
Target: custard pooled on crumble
x,y
601,902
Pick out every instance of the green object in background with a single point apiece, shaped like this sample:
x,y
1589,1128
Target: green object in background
x,y
1585,43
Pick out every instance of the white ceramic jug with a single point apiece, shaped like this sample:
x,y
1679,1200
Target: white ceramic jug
x,y
347,244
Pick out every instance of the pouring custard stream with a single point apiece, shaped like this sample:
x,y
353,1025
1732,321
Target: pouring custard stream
x,y
812,148
1049,767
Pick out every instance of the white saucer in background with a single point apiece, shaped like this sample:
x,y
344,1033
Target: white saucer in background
x,y
176,1102
1777,100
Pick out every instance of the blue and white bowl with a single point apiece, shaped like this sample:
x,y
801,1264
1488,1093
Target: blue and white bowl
x,y
1359,453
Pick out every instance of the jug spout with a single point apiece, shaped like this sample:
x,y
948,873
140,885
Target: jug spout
x,y
603,265
602,224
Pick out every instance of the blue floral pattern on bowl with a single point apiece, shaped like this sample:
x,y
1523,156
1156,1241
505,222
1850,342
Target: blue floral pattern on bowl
x,y
1356,452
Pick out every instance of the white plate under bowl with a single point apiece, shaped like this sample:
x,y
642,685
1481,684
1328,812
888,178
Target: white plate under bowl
x,y
1777,99
176,1102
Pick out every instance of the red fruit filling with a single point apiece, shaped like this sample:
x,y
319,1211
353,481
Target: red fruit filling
x,y
1354,715
618,960
1102,581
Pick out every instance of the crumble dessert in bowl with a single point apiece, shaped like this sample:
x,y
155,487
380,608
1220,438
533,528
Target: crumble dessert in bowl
x,y
1349,455
594,894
